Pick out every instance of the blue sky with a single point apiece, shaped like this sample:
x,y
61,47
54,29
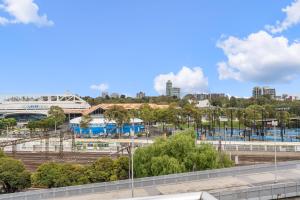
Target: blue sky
x,y
126,44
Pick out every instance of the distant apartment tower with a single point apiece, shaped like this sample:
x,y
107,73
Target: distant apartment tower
x,y
269,91
256,92
114,95
140,95
169,87
172,91
104,94
216,95
204,96
176,92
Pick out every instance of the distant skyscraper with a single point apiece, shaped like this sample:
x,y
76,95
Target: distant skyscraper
x,y
140,95
172,91
169,88
256,92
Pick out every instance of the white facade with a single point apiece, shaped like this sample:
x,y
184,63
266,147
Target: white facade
x,y
40,104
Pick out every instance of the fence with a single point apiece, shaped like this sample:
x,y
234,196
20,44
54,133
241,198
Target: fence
x,y
274,191
257,146
145,182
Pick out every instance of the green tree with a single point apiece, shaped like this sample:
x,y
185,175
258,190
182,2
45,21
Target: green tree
x,y
121,168
57,114
147,114
163,165
177,154
120,115
101,170
13,175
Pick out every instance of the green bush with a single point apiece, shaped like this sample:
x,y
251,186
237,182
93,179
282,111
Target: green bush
x,y
50,175
13,175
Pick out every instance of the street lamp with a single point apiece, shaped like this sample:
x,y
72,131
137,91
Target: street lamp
x,y
274,124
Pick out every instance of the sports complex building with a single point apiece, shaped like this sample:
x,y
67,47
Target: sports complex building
x,y
101,126
29,108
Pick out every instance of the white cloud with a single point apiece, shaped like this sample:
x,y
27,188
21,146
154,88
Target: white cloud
x,y
23,12
101,87
292,18
190,80
3,21
260,58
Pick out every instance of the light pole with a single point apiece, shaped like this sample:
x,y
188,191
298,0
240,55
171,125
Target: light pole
x,y
224,119
132,151
274,124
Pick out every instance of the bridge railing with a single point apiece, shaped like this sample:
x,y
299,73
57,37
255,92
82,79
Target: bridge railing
x,y
273,191
144,182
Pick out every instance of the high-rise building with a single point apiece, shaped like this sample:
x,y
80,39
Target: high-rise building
x,y
169,88
140,95
176,92
269,91
104,94
172,91
256,92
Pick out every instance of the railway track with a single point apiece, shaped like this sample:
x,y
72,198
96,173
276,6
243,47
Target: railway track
x,y
33,160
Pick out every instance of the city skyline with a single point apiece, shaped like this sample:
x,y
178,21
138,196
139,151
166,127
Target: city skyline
x,y
136,46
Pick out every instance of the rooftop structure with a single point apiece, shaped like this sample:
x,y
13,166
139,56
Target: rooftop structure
x,y
101,108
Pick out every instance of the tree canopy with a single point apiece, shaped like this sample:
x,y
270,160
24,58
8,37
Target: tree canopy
x,y
175,155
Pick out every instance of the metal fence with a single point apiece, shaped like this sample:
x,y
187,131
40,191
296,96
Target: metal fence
x,y
256,146
145,182
274,191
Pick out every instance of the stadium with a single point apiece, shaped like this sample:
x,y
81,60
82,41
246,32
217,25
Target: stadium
x,y
27,108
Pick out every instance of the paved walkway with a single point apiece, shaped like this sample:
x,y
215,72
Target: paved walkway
x,y
209,185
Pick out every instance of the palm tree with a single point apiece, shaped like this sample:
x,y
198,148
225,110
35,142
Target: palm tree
x,y
283,118
197,116
239,115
